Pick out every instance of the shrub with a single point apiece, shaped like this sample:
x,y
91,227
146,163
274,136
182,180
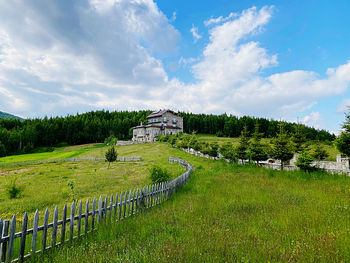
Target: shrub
x,y
304,161
13,190
220,134
111,155
159,175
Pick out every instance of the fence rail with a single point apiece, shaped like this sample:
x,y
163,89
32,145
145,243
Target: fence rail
x,y
75,159
17,246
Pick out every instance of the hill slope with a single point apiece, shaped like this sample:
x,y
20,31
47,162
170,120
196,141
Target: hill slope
x,y
4,115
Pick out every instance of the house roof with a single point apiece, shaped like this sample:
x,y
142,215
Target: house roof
x,y
160,113
156,126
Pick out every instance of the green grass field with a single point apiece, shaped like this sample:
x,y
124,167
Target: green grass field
x,y
46,185
225,213
229,213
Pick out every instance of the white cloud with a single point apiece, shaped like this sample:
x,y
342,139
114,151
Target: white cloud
x,y
220,19
59,57
312,120
194,31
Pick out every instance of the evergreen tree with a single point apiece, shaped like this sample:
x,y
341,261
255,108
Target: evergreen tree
x,y
343,141
228,152
304,161
282,148
242,148
257,151
298,139
319,152
111,155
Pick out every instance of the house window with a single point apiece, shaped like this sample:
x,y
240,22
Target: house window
x,y
165,119
174,120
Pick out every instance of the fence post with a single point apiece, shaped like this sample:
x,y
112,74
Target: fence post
x,y
120,206
64,220
124,209
79,216
46,222
11,239
99,210
71,225
5,232
129,203
23,236
54,228
93,214
132,202
115,205
110,207
86,222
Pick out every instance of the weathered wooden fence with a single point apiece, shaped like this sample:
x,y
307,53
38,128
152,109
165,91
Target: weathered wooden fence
x,y
75,159
17,246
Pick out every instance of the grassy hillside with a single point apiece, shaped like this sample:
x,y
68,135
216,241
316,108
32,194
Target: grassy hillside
x,y
228,213
4,115
46,185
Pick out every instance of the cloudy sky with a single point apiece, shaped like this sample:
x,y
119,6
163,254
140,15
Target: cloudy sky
x,y
275,59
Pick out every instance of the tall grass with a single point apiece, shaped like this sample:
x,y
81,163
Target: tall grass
x,y
231,213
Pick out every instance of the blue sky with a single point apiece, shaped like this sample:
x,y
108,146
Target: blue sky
x,y
275,59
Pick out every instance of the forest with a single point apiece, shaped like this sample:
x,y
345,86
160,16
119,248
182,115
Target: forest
x,y
24,136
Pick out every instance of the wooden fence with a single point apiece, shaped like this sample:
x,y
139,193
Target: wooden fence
x,y
31,241
75,159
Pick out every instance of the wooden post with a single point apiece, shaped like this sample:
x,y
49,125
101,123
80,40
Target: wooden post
x,y
136,200
71,225
93,214
46,222
115,205
5,231
99,210
64,221
120,205
105,207
23,236
79,216
35,232
54,228
110,207
126,196
132,202
86,216
11,239
129,203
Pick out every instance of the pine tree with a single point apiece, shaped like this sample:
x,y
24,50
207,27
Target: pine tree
x,y
111,155
228,152
343,141
298,139
304,161
319,152
282,148
242,148
257,151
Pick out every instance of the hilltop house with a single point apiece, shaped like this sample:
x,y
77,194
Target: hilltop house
x,y
159,123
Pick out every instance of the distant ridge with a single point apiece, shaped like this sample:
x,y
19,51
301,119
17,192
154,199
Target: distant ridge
x,y
4,115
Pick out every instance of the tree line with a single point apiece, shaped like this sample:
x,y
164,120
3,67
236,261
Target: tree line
x,y
18,136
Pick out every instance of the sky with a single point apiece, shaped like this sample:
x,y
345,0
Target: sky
x,y
287,60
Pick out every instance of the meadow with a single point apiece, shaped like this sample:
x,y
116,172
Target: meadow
x,y
225,213
47,185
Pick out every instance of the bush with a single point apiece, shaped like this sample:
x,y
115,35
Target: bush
x,y
159,175
111,155
304,161
13,190
220,134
